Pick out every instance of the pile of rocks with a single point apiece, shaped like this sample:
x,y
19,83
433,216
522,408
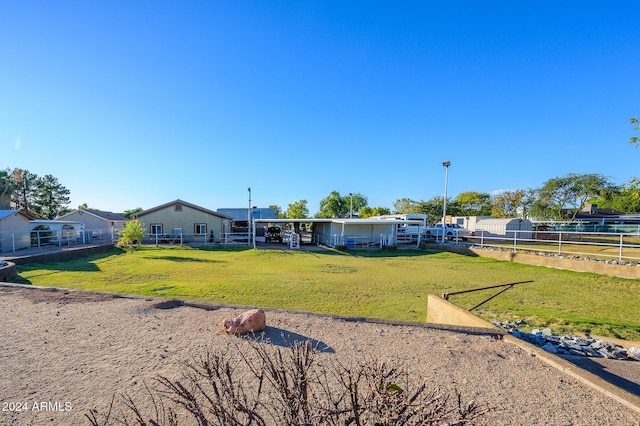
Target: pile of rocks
x,y
570,345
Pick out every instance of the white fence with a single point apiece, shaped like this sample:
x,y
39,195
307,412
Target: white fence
x,y
14,241
604,245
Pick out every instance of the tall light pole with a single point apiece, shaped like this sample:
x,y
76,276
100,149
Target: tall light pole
x,y
249,219
446,165
351,206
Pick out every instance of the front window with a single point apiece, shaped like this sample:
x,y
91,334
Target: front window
x,y
156,228
200,229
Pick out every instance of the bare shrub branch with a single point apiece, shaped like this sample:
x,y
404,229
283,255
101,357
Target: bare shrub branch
x,y
292,386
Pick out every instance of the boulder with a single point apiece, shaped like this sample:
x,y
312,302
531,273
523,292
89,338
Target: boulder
x,y
251,321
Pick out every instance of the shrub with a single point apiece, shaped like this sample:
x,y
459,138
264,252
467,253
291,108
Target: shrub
x,y
289,387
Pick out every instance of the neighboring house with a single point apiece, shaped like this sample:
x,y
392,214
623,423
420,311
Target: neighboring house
x,y
14,230
180,218
100,223
241,216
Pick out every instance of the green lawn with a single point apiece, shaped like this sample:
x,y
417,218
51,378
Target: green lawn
x,y
380,284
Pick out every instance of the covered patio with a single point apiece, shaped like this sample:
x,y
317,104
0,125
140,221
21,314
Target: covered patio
x,y
336,232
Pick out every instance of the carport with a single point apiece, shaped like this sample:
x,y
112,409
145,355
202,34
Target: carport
x,y
349,233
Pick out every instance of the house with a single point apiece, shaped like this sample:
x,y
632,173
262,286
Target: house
x,y
100,224
14,230
188,221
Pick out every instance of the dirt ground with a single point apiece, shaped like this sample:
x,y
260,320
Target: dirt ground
x,y
65,353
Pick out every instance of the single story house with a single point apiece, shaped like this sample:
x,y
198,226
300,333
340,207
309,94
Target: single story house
x,y
100,224
14,230
187,221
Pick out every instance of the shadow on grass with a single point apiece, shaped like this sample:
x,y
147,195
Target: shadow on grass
x,y
182,259
284,338
81,263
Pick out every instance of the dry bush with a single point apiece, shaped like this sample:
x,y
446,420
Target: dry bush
x,y
265,385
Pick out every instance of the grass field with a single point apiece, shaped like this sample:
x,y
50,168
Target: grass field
x,y
379,284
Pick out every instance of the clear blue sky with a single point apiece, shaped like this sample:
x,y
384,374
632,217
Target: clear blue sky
x,y
137,103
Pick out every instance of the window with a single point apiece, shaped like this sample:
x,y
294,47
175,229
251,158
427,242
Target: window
x,y
178,207
200,229
156,228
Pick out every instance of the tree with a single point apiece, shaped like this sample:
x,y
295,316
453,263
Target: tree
x,y
51,198
129,213
7,187
625,200
131,235
367,211
405,205
563,197
507,203
297,210
24,190
335,205
471,203
634,139
277,210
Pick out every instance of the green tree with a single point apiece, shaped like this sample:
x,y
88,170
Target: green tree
x,y
563,197
634,139
129,213
278,210
471,203
405,205
507,203
336,205
626,199
51,198
26,185
297,210
367,211
131,235
7,187
433,209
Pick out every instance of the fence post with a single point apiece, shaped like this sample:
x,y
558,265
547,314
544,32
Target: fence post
x,y
560,243
515,240
621,242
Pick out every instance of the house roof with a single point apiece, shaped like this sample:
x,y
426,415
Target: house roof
x,y
108,216
184,203
241,214
7,213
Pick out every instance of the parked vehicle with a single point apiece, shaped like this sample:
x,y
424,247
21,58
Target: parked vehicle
x,y
273,233
452,231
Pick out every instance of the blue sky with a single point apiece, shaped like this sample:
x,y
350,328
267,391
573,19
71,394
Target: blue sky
x,y
137,103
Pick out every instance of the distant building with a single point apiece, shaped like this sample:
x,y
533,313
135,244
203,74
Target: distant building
x,y
14,230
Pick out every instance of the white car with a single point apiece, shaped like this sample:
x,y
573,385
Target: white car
x,y
452,231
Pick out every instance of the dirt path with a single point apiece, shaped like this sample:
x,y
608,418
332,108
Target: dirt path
x,y
73,350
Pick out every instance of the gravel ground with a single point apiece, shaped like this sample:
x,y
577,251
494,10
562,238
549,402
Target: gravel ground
x,y
74,350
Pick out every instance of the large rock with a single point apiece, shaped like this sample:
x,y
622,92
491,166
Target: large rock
x,y
252,321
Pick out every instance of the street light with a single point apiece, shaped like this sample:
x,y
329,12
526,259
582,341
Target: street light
x,y
446,165
249,219
351,206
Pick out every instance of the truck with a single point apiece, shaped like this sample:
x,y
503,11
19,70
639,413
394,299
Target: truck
x,y
452,231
